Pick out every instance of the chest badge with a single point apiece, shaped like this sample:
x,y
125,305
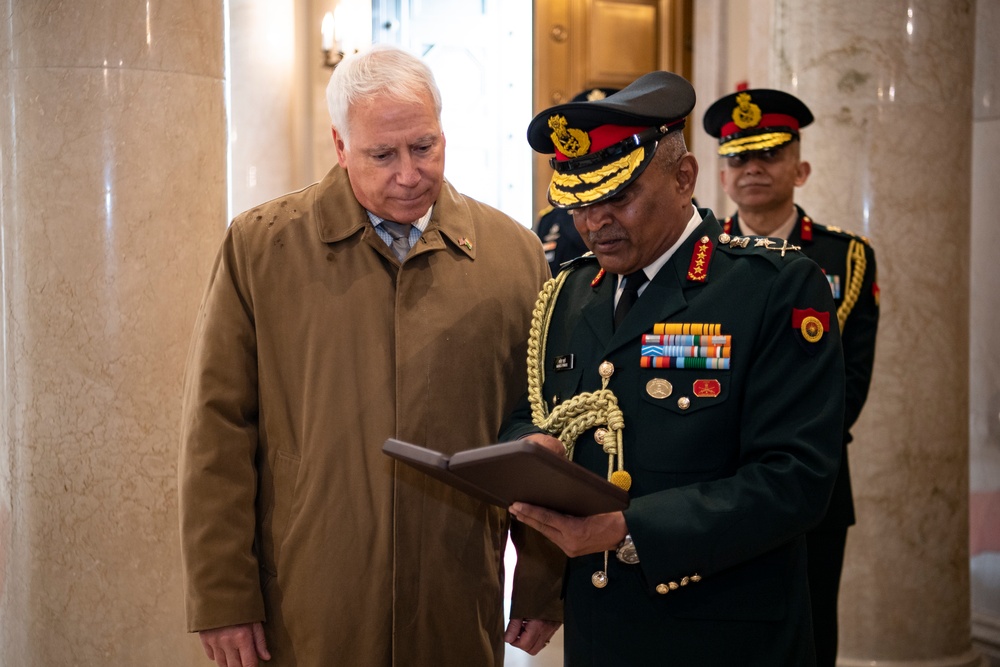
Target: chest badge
x,y
706,388
659,388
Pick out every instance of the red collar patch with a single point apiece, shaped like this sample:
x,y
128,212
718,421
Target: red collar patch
x,y
698,270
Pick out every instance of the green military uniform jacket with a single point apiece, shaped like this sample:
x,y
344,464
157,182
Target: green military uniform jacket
x,y
845,259
729,470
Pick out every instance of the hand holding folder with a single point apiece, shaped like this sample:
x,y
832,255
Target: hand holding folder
x,y
516,471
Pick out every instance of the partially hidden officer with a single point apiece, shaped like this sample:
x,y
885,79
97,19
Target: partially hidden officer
x,y
716,400
560,240
760,148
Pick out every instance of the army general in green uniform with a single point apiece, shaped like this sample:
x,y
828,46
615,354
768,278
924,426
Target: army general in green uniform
x,y
701,371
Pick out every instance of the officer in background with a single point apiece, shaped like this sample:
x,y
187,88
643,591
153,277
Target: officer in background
x,y
560,239
698,370
759,143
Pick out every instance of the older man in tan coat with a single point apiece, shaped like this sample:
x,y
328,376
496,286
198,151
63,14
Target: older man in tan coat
x,y
321,334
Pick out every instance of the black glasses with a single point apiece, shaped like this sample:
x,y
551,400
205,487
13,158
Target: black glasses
x,y
767,156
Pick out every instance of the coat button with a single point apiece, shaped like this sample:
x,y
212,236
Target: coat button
x,y
606,369
599,435
684,402
662,589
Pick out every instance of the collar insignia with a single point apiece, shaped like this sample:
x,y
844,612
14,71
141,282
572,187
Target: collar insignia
x,y
698,270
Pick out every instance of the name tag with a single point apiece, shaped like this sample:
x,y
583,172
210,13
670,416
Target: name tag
x,y
563,362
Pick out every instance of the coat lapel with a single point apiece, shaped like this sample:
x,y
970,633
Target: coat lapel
x,y
599,313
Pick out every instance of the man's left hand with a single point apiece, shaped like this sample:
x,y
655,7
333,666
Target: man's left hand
x,y
529,634
576,536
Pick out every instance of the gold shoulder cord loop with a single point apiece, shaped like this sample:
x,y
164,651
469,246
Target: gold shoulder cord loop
x,y
582,412
855,276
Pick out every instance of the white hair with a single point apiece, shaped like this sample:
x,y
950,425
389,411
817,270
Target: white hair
x,y
382,69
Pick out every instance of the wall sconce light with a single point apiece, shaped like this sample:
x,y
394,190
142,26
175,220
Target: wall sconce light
x,y
331,57
345,30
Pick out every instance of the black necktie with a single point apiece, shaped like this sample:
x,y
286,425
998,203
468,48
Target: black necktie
x,y
630,293
400,234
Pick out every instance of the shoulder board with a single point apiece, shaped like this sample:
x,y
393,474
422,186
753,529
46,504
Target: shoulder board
x,y
777,251
595,274
575,263
843,233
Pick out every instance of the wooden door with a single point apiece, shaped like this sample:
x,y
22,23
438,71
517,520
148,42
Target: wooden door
x,y
582,44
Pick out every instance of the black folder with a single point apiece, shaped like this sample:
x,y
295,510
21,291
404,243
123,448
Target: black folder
x,y
516,471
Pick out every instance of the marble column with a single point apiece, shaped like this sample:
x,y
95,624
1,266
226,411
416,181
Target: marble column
x,y
890,84
114,199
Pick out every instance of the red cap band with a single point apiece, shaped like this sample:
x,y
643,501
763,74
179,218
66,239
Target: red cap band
x,y
766,121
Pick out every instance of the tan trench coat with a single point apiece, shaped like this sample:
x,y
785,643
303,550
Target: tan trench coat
x,y
311,347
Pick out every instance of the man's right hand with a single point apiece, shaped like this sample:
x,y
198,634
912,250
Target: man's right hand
x,y
236,645
548,442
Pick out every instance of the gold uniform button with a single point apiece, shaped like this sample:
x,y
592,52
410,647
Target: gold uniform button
x,y
606,369
599,435
724,238
662,589
673,585
684,402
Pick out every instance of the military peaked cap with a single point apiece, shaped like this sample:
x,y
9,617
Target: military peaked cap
x,y
603,145
755,120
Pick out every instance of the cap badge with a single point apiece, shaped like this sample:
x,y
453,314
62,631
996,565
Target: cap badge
x,y
746,114
571,142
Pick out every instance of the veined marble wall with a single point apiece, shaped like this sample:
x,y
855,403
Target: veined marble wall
x,y
267,55
113,178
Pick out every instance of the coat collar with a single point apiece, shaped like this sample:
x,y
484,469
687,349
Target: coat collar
x,y
801,233
338,215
